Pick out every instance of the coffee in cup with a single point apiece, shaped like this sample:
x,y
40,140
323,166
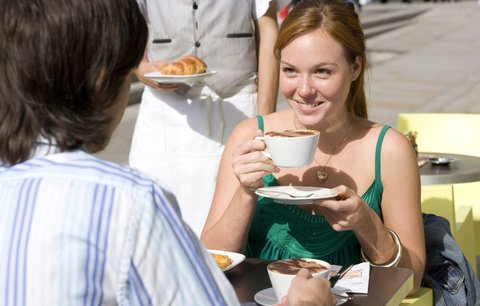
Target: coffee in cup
x,y
282,272
292,133
291,148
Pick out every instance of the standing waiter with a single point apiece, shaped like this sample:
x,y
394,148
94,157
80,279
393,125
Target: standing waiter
x,y
181,130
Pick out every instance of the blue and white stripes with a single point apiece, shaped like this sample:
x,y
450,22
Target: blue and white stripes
x,y
75,230
17,246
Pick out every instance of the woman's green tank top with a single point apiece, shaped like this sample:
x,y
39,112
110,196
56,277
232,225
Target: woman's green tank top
x,y
285,231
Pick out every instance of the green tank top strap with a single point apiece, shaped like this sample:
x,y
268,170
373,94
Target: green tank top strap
x,y
260,123
378,151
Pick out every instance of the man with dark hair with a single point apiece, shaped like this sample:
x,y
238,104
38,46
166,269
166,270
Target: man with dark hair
x,y
76,230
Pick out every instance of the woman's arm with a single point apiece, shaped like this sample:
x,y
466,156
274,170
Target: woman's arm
x,y
400,210
268,66
241,170
401,201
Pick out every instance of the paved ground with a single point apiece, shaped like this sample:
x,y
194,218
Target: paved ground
x,y
429,63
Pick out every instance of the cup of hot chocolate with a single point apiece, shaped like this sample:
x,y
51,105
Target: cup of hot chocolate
x,y
291,148
282,272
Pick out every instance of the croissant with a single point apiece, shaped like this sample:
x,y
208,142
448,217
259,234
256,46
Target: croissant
x,y
185,65
222,261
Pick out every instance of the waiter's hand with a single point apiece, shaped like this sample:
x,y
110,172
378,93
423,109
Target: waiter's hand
x,y
146,67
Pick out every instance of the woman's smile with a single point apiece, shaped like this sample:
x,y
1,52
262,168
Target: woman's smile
x,y
308,106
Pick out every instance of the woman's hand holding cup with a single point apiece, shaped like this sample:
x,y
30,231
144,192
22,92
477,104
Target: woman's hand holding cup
x,y
250,164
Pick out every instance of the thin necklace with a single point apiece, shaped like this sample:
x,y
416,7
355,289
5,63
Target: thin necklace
x,y
322,174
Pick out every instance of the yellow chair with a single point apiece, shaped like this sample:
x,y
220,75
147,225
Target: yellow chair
x,y
452,133
423,297
435,133
439,200
468,194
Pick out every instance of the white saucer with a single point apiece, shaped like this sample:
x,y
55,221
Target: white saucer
x,y
301,194
267,297
175,79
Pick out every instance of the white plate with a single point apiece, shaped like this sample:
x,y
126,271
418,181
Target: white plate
x,y
267,297
181,79
301,194
235,257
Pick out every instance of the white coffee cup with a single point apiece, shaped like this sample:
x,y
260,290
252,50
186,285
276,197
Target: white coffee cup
x,y
291,148
282,272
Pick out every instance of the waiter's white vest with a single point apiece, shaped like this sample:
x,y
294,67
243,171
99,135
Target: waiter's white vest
x,y
213,30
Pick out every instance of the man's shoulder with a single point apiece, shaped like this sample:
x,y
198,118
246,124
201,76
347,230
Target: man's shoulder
x,y
108,172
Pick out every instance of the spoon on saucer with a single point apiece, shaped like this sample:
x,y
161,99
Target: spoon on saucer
x,y
299,195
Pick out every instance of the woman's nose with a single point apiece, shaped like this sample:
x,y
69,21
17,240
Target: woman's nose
x,y
305,87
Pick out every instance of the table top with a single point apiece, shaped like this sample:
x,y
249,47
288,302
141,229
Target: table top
x,y
463,169
388,286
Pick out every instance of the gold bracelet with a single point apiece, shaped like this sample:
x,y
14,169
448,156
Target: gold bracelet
x,y
397,258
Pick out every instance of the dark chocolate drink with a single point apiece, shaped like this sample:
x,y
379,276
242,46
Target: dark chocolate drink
x,y
293,265
291,133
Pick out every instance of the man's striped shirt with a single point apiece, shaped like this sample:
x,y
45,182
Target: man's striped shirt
x,y
75,230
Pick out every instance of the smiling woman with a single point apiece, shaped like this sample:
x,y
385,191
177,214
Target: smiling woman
x,y
370,167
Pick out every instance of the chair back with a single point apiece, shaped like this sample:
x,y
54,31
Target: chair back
x,y
441,200
454,133
438,200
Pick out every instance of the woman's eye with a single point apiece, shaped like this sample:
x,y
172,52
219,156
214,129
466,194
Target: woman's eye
x,y
288,70
323,72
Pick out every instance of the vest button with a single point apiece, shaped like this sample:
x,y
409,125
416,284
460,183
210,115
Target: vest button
x,y
195,6
197,44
